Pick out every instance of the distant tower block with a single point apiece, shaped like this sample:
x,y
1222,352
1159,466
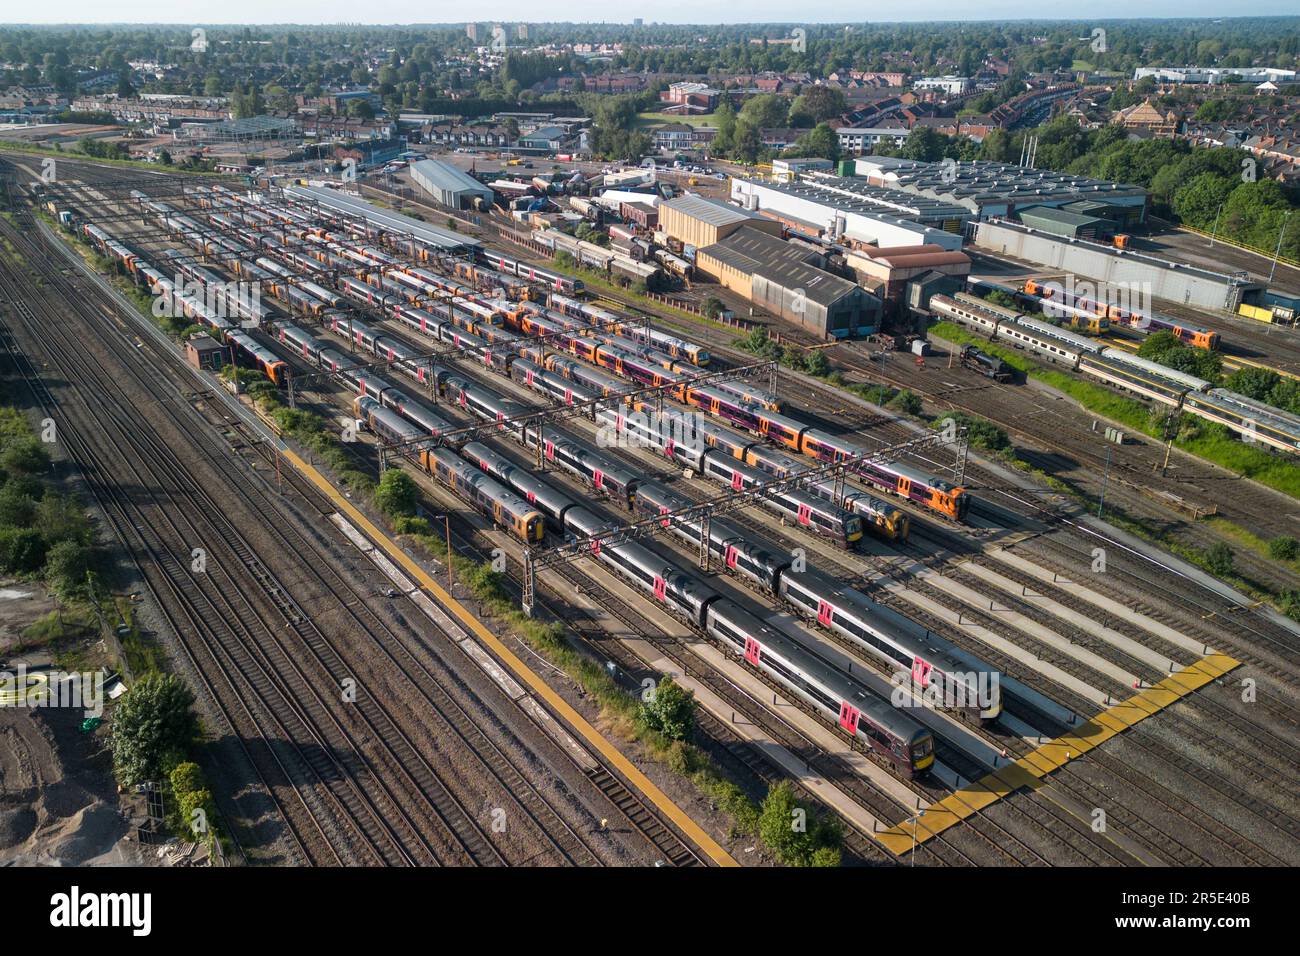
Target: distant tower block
x,y
471,31
637,22
521,31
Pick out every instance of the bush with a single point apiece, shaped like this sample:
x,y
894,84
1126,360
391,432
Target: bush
x,y
670,711
396,494
1219,559
17,507
796,837
907,402
193,810
66,566
404,524
22,550
816,363
1284,548
61,518
26,454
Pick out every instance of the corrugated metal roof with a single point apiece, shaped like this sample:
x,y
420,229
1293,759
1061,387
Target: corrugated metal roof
x,y
390,221
1032,214
444,177
757,253
709,211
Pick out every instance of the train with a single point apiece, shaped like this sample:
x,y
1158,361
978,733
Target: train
x,y
642,332
1076,317
1253,420
514,266
932,663
488,497
878,726
199,310
1055,297
990,366
913,484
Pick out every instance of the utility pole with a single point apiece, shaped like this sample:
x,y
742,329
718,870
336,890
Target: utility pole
x,y
1215,230
1101,500
1278,251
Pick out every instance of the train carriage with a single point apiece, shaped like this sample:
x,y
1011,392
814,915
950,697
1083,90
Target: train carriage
x,y
932,663
489,497
895,736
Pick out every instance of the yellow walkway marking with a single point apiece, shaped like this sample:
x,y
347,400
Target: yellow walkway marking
x,y
1029,771
711,847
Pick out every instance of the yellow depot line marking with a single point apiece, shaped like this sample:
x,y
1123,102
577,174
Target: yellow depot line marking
x,y
1029,771
711,847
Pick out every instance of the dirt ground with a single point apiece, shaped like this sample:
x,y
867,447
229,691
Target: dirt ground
x,y
58,801
21,603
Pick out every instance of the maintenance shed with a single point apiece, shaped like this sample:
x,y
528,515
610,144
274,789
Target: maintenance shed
x,y
778,276
449,185
1065,222
700,222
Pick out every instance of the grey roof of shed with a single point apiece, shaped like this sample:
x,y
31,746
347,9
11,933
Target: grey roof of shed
x,y
758,253
381,218
447,178
709,211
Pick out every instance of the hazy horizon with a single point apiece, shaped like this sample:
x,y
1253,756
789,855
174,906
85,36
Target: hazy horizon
x,y
677,12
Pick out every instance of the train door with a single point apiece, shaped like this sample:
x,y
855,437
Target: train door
x,y
905,486
849,717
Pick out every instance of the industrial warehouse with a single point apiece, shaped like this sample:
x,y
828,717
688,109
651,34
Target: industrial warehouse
x,y
781,278
448,185
999,190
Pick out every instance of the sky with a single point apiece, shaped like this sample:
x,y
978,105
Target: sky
x,y
667,11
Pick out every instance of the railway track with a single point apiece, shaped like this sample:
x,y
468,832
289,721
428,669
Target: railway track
x,y
424,782
321,787
637,813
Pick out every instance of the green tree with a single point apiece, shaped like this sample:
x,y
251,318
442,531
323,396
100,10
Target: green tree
x,y
724,118
153,727
816,363
397,493
26,454
820,142
66,567
765,110
925,144
670,711
815,104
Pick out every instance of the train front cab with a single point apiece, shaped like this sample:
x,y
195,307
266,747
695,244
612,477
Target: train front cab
x,y
921,753
954,503
529,527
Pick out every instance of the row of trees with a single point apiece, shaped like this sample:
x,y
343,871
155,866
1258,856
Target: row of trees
x,y
43,532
